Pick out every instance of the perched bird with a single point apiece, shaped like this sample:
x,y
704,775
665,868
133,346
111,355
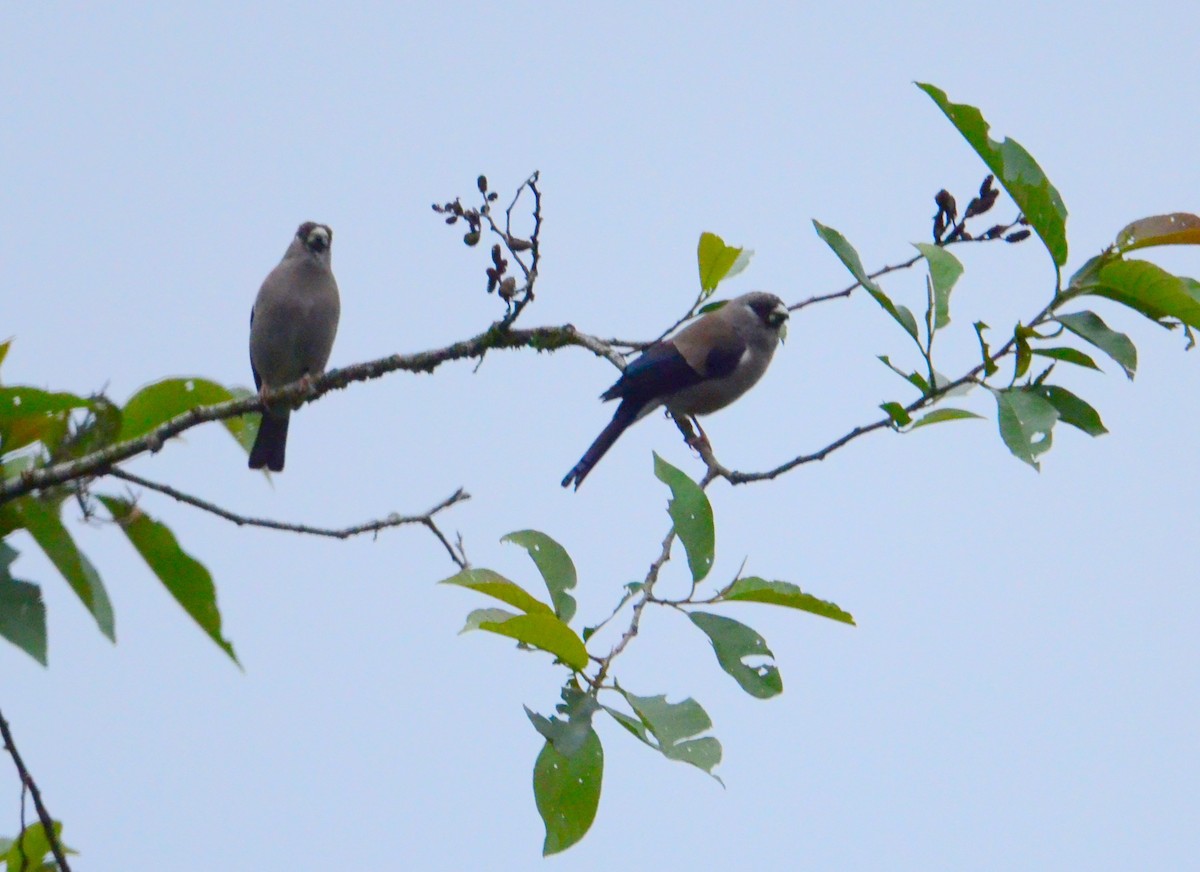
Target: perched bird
x,y
704,367
292,326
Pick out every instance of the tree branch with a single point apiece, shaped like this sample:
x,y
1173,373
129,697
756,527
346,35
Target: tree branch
x,y
27,781
496,336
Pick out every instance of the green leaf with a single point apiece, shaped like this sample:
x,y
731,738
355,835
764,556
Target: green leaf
x,y
673,727
937,416
1016,170
157,403
1067,355
244,429
567,792
898,414
24,402
541,630
1026,420
567,735
1088,326
4,346
1177,228
692,516
1147,288
555,565
30,415
493,584
22,612
47,529
97,431
989,365
1072,410
478,617
1021,335
944,270
184,577
849,257
733,642
782,593
717,261
31,848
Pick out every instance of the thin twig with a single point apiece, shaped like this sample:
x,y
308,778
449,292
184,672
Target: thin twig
x,y
971,377
425,519
27,781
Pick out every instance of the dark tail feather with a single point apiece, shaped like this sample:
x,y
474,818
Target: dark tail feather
x,y
271,443
624,416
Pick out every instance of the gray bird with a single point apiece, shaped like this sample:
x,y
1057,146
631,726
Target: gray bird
x,y
704,367
292,326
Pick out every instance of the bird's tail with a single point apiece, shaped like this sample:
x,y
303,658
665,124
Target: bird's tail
x,y
625,415
271,443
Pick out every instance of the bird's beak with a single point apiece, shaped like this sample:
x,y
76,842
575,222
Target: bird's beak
x,y
780,315
318,238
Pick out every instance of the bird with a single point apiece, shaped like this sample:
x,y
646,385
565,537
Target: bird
x,y
292,326
704,367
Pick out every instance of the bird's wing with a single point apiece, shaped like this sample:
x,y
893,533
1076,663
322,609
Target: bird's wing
x,y
253,368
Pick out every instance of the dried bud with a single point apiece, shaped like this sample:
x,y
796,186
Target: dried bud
x,y
482,183
453,219
471,238
986,189
994,231
1017,237
508,289
945,203
519,244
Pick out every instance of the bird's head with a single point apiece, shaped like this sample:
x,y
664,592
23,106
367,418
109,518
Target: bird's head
x,y
316,238
770,311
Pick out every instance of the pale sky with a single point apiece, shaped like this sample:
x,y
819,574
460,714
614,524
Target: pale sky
x,y
1019,692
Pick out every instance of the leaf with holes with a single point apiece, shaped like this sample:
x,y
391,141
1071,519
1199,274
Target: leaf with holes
x,y
672,728
1026,422
1177,228
733,642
